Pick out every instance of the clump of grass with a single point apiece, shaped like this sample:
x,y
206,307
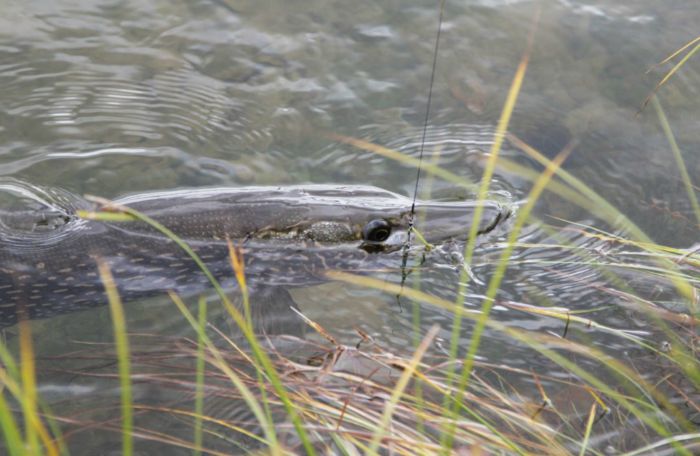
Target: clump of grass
x,y
19,380
365,400
372,400
357,400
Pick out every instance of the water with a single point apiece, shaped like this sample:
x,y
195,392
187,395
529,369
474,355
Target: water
x,y
117,97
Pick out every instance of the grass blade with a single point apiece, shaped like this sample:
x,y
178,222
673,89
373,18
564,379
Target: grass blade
x,y
34,426
673,70
122,343
199,378
13,438
589,427
678,156
26,356
399,389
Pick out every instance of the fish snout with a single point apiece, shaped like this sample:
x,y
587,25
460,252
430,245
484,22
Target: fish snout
x,y
447,222
494,217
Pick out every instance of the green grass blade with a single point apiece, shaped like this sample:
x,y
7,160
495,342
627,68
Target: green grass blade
x,y
678,156
28,385
678,51
587,433
673,70
122,344
199,378
399,389
35,430
13,442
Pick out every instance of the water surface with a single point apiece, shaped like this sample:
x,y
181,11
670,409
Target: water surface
x,y
117,97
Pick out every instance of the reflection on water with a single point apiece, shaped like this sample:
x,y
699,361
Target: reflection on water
x,y
111,97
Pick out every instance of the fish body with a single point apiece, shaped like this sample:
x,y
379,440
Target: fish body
x,y
290,236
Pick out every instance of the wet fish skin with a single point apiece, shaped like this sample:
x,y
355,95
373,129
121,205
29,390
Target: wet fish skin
x,y
290,236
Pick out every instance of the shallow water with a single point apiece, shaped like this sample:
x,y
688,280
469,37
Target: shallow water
x,y
117,97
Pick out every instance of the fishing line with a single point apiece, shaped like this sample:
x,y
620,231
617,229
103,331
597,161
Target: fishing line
x,y
427,110
404,261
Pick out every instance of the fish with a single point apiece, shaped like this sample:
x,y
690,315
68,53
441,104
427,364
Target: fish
x,y
289,235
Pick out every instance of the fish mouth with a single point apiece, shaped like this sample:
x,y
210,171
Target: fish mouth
x,y
500,218
445,222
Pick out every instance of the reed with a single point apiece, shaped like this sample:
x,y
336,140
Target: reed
x,y
122,343
199,379
690,48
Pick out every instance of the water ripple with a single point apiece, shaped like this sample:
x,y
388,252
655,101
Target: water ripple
x,y
459,148
34,217
109,78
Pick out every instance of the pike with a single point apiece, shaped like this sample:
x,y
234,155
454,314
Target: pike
x,y
290,236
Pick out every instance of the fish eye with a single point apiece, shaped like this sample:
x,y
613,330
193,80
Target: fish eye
x,y
377,230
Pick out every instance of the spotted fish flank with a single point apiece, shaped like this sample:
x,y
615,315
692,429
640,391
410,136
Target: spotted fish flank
x,y
290,236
